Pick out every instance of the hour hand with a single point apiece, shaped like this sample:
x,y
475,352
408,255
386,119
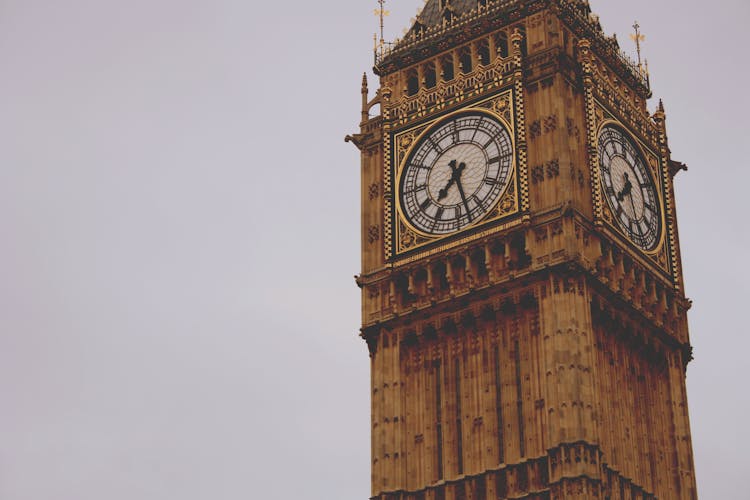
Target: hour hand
x,y
626,189
444,192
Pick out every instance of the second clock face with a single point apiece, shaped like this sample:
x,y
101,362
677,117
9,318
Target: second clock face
x,y
628,187
456,173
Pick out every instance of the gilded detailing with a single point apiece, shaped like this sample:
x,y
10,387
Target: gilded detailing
x,y
407,238
491,15
608,101
516,40
431,101
534,351
660,121
658,256
655,171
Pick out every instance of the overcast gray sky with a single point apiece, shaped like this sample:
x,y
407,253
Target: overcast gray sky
x,y
179,224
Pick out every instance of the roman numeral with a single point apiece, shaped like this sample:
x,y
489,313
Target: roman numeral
x,y
416,189
425,204
436,145
497,159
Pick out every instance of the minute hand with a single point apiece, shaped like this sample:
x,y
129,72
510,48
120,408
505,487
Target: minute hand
x,y
463,197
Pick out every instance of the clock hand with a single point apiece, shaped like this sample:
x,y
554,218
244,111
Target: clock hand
x,y
632,205
444,192
626,189
460,169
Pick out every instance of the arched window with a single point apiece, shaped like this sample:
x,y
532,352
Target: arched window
x,y
483,51
524,48
446,67
412,82
464,58
501,44
430,75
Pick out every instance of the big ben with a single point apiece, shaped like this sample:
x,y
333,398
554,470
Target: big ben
x,y
522,294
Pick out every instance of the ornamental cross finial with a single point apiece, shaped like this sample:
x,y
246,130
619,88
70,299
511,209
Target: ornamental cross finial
x,y
382,13
638,37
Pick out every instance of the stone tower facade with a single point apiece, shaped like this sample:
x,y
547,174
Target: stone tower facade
x,y
522,295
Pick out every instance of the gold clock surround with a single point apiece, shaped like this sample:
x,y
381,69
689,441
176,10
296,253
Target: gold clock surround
x,y
662,256
654,171
409,241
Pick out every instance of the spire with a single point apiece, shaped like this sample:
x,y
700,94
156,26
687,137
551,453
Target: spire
x,y
365,107
638,37
382,14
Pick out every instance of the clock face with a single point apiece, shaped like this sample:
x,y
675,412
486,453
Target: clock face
x,y
456,173
628,187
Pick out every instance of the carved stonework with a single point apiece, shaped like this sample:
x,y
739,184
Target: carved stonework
x,y
501,106
509,203
537,174
511,349
553,168
660,254
407,238
550,124
404,143
535,129
373,234
373,191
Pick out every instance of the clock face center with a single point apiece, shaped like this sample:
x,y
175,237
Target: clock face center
x,y
627,187
471,176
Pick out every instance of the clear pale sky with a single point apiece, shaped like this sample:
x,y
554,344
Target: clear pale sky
x,y
179,224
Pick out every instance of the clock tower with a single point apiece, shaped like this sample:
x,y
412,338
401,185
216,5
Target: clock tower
x,y
522,295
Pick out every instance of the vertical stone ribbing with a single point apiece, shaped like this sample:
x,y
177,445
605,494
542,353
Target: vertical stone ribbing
x,y
499,408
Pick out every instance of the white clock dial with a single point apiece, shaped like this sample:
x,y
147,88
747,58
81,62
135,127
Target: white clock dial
x,y
456,173
628,187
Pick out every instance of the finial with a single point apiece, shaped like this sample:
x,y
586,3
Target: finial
x,y
364,82
381,13
638,37
661,105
